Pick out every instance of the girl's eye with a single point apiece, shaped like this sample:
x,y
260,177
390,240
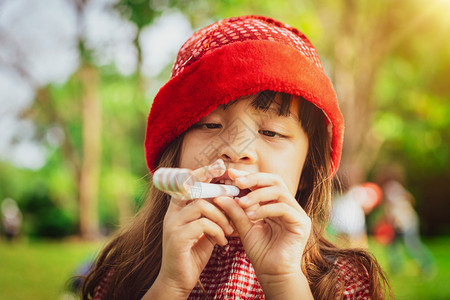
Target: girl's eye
x,y
212,125
270,133
208,125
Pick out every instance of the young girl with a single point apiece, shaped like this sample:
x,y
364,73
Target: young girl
x,y
250,93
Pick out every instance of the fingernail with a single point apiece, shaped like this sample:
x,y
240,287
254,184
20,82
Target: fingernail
x,y
220,198
251,214
230,229
243,199
218,164
242,179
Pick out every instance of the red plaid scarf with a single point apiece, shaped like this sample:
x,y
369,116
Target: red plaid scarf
x,y
353,280
230,275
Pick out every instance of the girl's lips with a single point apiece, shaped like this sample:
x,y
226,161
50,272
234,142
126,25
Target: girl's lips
x,y
226,176
222,178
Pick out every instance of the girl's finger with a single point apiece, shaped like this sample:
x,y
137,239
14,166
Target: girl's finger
x,y
254,180
235,173
267,194
282,211
206,173
175,206
194,230
202,208
236,214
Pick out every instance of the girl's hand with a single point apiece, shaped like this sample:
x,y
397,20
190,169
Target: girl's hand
x,y
273,227
190,231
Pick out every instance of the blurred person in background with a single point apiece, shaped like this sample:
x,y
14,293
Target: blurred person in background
x,y
400,213
11,219
349,210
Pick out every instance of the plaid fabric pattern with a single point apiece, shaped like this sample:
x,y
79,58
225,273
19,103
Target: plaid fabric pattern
x,y
353,280
228,275
101,289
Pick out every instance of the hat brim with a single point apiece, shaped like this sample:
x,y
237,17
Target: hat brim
x,y
229,72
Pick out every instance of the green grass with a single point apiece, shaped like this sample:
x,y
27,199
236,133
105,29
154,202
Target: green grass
x,y
410,283
39,270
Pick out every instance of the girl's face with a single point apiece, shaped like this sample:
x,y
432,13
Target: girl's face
x,y
249,139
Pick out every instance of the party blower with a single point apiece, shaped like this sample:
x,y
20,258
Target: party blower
x,y
182,184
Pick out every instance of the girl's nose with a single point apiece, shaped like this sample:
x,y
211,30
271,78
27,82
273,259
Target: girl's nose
x,y
239,151
233,157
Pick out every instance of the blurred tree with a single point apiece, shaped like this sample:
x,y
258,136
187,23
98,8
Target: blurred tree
x,y
141,13
90,168
91,135
361,36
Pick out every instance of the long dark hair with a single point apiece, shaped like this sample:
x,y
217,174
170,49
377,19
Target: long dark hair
x,y
132,259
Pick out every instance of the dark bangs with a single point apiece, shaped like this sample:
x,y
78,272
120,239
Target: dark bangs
x,y
265,99
309,115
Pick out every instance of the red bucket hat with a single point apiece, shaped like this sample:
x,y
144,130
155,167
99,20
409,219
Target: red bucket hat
x,y
237,57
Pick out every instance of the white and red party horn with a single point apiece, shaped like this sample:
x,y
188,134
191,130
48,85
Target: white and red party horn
x,y
182,184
